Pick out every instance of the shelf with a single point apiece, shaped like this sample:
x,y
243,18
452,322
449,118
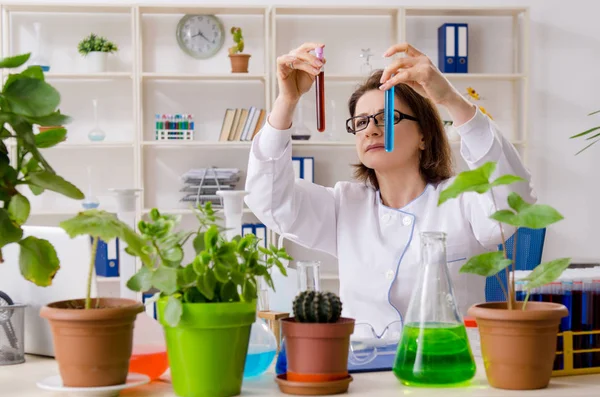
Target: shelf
x,y
238,144
88,76
463,11
102,279
209,77
202,9
329,276
92,145
484,76
183,211
59,8
55,213
346,10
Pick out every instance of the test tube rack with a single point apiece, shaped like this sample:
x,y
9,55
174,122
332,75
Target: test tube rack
x,y
170,135
568,354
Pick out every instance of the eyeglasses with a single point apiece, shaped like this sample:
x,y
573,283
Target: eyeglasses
x,y
359,123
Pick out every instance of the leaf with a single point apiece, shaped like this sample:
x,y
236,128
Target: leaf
x,y
50,138
38,261
546,273
141,281
50,181
269,281
19,208
248,290
476,180
173,311
34,71
588,146
533,216
186,276
211,236
204,286
280,267
486,264
221,272
14,62
173,254
10,232
165,279
229,292
597,111
31,97
36,190
192,295
199,243
237,277
585,132
199,265
506,180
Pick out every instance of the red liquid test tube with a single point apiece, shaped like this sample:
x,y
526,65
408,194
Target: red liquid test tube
x,y
320,90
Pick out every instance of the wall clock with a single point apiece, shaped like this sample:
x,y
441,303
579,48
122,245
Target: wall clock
x,y
200,36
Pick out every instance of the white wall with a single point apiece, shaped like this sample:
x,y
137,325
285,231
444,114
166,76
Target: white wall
x,y
565,55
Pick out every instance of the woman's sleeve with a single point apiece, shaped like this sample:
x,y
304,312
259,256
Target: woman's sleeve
x,y
304,211
482,141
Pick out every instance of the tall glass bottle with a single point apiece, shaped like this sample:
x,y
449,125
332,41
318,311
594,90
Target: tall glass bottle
x,y
434,348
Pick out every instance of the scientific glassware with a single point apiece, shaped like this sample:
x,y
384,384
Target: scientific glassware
x,y
434,348
301,132
389,120
366,68
38,57
233,207
320,92
90,201
309,279
96,134
149,352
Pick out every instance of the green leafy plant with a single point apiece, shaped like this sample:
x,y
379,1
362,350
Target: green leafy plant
x,y
95,43
26,100
595,137
221,271
106,226
520,214
317,307
238,39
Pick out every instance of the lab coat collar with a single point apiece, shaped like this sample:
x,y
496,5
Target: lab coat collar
x,y
410,208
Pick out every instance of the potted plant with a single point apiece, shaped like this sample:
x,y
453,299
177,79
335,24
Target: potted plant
x,y
93,338
27,99
208,305
317,340
96,49
518,339
239,60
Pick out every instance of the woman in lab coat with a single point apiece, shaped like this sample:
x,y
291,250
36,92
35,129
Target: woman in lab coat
x,y
373,225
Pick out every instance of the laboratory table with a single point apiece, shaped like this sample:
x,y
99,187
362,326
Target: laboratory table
x,y
20,380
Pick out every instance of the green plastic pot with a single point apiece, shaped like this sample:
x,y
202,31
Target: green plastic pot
x,y
207,349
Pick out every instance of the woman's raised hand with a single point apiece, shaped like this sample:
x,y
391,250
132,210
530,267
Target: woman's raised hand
x,y
297,70
417,71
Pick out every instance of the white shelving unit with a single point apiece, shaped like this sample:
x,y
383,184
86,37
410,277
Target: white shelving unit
x,y
150,74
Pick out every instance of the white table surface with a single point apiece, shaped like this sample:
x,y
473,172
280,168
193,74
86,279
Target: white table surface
x,y
20,380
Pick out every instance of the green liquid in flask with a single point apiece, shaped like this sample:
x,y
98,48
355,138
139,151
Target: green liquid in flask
x,y
434,354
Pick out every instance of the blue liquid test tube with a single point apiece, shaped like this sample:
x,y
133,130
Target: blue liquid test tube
x,y
388,133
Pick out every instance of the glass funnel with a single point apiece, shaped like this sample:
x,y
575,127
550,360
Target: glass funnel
x,y
434,348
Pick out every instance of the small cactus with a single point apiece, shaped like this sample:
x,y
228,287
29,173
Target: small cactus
x,y
317,307
238,40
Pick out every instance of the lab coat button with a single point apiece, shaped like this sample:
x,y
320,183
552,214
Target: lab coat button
x,y
386,218
389,274
406,221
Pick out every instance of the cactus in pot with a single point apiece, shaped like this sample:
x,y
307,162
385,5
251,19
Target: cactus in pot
x,y
317,307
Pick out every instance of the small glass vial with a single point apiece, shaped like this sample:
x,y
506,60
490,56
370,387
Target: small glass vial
x,y
473,335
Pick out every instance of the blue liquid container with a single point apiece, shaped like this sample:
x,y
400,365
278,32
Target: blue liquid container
x,y
281,365
389,120
261,349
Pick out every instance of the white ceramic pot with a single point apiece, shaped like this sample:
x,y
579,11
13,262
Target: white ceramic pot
x,y
96,61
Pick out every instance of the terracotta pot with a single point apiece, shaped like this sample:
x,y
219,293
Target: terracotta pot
x,y
518,347
239,63
92,347
317,352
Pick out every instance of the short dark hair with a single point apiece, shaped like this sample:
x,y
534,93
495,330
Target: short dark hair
x,y
436,159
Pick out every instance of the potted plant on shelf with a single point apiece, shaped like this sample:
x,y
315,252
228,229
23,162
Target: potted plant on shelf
x,y
239,60
27,100
317,344
96,49
93,337
207,306
518,339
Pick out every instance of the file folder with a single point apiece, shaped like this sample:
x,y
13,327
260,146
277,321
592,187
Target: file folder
x,y
462,48
304,168
107,258
447,48
258,229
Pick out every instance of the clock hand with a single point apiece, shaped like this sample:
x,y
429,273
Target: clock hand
x,y
203,36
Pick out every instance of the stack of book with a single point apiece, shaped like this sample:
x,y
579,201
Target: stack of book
x,y
201,184
241,124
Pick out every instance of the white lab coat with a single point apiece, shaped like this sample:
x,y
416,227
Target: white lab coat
x,y
377,247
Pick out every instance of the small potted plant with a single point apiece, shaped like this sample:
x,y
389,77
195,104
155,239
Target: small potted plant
x,y
518,339
96,49
239,60
38,261
208,304
317,341
89,331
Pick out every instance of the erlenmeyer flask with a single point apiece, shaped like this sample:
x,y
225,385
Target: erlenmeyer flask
x,y
434,348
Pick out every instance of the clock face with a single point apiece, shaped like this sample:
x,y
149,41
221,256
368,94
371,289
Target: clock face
x,y
200,36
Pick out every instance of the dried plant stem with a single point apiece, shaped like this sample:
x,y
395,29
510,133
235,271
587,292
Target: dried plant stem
x,y
510,291
88,299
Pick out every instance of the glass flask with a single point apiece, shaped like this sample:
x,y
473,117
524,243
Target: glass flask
x,y
96,134
263,344
309,279
434,348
